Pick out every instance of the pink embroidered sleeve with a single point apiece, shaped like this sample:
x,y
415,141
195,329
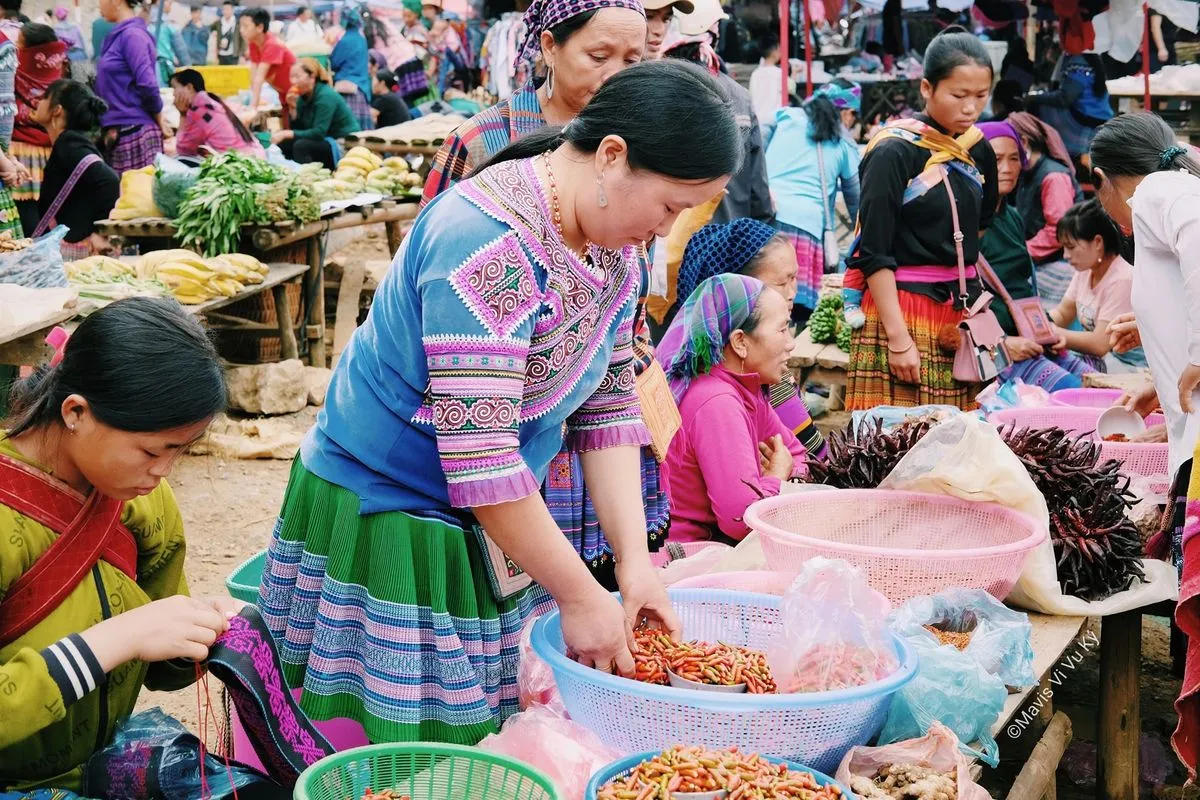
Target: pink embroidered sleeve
x,y
612,416
1058,195
476,346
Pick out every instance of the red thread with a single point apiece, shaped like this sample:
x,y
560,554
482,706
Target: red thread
x,y
205,713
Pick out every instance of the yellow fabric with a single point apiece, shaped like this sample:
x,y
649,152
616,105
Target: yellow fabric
x,y
686,225
137,195
43,742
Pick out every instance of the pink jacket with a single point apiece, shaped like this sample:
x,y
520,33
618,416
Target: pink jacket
x,y
713,464
207,123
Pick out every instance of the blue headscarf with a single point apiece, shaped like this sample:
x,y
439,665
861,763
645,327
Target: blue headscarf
x,y
718,249
696,340
849,97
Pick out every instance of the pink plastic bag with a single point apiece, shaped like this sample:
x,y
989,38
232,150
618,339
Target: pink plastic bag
x,y
937,750
568,753
535,680
834,633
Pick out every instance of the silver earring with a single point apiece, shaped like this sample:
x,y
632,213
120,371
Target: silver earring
x,y
601,195
550,83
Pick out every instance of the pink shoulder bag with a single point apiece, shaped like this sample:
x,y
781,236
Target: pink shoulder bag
x,y
981,353
1030,317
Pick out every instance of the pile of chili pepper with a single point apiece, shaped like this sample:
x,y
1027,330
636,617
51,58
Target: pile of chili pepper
x,y
715,664
1097,546
694,769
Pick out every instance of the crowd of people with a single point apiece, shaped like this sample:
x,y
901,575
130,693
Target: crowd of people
x,y
492,442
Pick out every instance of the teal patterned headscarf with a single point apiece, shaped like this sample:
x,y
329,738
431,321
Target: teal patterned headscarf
x,y
696,340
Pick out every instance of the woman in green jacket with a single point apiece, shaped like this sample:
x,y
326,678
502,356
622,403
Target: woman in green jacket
x,y
319,117
92,438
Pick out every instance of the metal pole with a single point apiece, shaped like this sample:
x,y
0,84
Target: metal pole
x,y
1146,57
785,24
808,54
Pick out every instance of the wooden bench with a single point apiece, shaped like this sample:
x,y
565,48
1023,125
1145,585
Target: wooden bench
x,y
826,364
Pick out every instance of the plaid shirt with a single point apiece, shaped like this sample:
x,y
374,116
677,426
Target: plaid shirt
x,y
481,137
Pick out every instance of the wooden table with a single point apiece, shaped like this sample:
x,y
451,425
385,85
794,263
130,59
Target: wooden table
x,y
26,345
276,282
264,241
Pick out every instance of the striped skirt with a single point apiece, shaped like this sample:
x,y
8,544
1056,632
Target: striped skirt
x,y
135,148
361,109
871,384
811,259
571,507
33,157
10,218
389,618
1064,371
1053,278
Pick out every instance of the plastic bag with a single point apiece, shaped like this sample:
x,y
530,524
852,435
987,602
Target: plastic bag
x,y
39,266
953,689
172,179
153,757
137,195
1000,637
938,750
965,457
565,751
834,633
535,679
1012,394
892,416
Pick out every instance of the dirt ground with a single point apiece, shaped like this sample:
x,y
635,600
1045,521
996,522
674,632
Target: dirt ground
x,y
229,508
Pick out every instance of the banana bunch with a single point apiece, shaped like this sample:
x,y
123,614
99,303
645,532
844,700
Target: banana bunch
x,y
194,280
99,265
361,160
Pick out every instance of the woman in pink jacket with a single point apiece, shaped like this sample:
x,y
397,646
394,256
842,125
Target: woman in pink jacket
x,y
727,345
206,122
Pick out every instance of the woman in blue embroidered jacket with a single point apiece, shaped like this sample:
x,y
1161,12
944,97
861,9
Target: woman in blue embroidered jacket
x,y
506,318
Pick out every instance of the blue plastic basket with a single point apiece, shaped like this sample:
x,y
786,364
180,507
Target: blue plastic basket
x,y
622,768
815,728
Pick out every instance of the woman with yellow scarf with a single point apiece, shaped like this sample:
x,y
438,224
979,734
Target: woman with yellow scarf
x,y
903,267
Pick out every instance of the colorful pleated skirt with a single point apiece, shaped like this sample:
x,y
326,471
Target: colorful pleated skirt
x,y
811,259
1064,371
389,618
571,507
33,157
136,147
361,109
10,218
871,384
1053,278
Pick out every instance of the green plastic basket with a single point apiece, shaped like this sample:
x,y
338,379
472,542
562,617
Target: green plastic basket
x,y
243,582
423,772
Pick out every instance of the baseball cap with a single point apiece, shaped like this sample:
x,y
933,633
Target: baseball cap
x,y
681,6
705,14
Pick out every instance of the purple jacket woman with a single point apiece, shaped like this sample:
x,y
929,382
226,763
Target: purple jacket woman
x,y
127,81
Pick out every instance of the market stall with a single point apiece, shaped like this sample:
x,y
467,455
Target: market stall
x,y
419,137
300,245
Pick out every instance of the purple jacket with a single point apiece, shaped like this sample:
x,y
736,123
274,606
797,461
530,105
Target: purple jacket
x,y
126,78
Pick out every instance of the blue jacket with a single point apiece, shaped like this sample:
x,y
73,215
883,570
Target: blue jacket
x,y
349,61
792,170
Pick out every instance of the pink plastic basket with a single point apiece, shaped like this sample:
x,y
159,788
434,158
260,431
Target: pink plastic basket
x,y
1137,459
1087,398
909,544
761,581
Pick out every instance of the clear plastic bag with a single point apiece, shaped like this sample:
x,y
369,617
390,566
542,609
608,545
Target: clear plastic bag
x,y
951,688
39,266
938,750
834,633
172,179
568,753
1000,637
153,757
535,680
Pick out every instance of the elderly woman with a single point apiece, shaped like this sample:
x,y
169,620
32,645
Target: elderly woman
x,y
582,45
730,341
752,248
1047,190
491,343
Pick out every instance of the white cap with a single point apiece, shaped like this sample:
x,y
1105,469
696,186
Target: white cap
x,y
706,14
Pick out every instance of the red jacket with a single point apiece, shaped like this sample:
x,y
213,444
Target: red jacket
x,y
37,68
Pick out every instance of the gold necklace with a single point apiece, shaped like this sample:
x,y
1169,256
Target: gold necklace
x,y
556,211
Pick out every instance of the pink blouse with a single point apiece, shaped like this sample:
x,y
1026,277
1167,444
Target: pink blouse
x,y
206,123
713,464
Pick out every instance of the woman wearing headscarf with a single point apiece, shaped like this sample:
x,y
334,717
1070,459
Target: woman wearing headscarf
x,y
752,248
41,60
1048,188
569,36
809,155
350,70
729,342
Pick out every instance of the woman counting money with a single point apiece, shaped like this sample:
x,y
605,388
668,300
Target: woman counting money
x,y
503,330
